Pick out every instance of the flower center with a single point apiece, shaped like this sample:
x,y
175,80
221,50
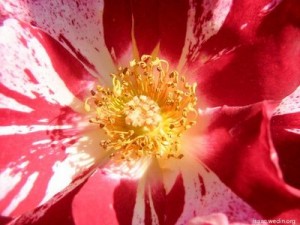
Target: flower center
x,y
141,111
145,112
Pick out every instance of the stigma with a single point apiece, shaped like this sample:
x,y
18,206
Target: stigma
x,y
145,111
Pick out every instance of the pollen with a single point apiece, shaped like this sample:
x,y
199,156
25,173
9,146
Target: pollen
x,y
144,112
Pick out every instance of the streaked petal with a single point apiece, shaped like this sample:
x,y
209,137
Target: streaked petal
x,y
39,114
58,209
205,18
174,195
240,27
77,26
251,55
178,28
238,147
204,194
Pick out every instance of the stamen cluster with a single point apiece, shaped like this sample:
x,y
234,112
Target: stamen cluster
x,y
145,112
142,112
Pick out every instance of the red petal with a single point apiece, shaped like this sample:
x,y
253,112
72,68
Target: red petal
x,y
155,198
93,203
4,220
175,201
146,25
286,138
117,26
238,148
285,134
173,17
150,22
125,195
259,57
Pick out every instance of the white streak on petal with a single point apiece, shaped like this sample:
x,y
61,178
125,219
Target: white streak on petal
x,y
8,181
44,120
34,72
25,190
12,104
269,7
219,10
224,51
126,170
294,130
42,142
25,129
243,26
23,164
154,217
290,104
139,208
192,196
63,174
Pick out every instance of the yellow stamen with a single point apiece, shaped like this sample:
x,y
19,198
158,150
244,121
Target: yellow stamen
x,y
145,112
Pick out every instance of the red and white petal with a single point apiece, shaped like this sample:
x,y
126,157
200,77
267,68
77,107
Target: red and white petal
x,y
140,201
205,18
83,154
58,210
289,105
78,26
178,28
170,195
131,28
204,194
251,65
240,26
39,113
237,146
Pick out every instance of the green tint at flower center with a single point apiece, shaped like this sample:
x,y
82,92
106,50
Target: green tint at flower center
x,y
145,112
